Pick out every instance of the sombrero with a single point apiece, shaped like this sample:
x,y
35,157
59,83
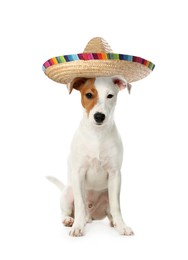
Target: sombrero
x,y
97,60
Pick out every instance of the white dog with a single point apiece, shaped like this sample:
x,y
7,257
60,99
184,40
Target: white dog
x,y
95,159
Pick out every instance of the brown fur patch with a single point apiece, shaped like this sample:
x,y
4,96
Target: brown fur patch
x,y
86,86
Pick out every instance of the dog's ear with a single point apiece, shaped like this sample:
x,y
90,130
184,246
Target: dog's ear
x,y
76,84
121,83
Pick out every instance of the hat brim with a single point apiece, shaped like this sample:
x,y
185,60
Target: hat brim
x,y
64,69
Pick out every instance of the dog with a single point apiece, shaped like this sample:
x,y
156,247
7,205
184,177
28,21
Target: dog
x,y
94,163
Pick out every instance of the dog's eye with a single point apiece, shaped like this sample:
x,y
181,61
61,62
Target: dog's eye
x,y
110,96
89,95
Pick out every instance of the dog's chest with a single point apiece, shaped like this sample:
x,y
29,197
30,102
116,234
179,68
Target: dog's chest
x,y
96,175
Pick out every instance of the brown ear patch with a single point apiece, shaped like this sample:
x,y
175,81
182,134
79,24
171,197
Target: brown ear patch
x,y
76,84
89,94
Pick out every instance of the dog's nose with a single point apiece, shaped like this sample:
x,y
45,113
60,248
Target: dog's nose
x,y
99,117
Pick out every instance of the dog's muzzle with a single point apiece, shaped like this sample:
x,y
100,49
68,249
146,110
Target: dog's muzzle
x,y
99,118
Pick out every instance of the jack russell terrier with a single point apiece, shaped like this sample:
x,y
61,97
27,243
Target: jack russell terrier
x,y
95,159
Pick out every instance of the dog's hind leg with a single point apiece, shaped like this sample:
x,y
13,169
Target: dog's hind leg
x,y
66,202
67,207
110,218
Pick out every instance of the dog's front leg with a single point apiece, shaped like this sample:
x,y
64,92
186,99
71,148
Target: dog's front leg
x,y
78,186
114,183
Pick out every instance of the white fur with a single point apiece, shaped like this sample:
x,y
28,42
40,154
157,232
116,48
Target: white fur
x,y
95,162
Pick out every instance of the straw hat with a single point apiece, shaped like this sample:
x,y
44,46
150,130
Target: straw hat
x,y
97,60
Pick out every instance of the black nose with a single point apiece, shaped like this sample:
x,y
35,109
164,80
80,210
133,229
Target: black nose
x,y
99,117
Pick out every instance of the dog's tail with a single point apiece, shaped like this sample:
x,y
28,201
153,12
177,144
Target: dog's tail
x,y
55,181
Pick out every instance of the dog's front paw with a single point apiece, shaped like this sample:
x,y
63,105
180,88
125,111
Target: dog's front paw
x,y
126,231
77,231
123,229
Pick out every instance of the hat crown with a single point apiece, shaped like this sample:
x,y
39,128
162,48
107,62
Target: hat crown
x,y
97,44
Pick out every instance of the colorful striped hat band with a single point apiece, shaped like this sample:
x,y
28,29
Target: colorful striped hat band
x,y
97,60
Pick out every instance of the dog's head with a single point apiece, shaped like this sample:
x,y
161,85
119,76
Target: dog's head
x,y
98,96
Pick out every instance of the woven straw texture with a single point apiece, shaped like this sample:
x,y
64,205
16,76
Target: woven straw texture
x,y
97,60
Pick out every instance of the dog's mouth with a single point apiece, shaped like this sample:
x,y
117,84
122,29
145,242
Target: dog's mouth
x,y
98,124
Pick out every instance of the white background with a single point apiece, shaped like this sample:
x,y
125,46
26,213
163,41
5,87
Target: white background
x,y
38,119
